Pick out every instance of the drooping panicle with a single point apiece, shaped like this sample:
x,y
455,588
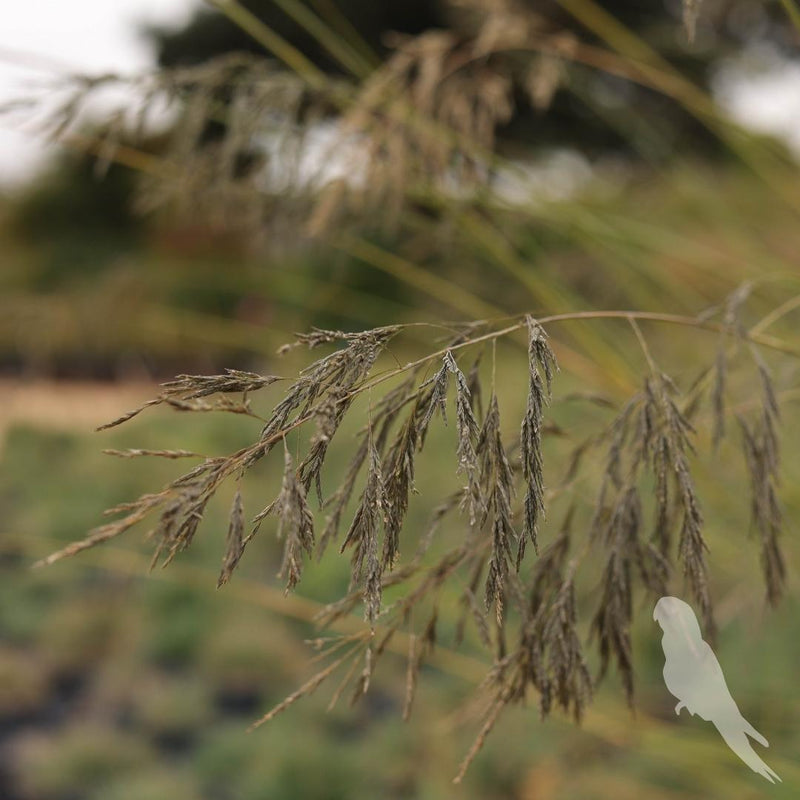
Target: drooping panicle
x,y
363,535
235,540
541,363
468,432
497,484
295,523
761,446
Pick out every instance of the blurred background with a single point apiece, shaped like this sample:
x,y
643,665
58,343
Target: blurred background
x,y
222,180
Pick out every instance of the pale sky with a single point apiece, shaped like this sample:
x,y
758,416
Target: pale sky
x,y
40,39
762,90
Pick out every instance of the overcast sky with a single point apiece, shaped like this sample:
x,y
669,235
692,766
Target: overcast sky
x,y
41,38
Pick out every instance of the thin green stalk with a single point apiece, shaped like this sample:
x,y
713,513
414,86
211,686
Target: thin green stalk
x,y
336,45
338,21
792,11
790,305
445,291
271,41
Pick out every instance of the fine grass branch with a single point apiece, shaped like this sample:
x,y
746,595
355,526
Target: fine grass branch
x,y
527,620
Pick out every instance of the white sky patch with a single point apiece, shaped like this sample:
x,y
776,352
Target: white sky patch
x,y
761,90
42,39
323,155
553,176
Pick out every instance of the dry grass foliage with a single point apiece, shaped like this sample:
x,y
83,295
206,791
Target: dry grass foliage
x,y
644,528
252,146
248,143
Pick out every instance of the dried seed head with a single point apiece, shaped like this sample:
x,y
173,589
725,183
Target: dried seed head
x,y
235,542
760,442
363,536
498,489
540,361
295,523
650,444
468,432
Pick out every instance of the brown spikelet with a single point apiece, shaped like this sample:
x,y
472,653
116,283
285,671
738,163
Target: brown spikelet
x,y
235,542
184,393
691,543
498,488
329,414
760,443
568,677
363,536
398,470
295,523
219,404
99,535
478,616
192,387
138,453
127,416
362,684
468,432
612,620
474,386
433,399
337,502
662,442
188,498
541,362
338,372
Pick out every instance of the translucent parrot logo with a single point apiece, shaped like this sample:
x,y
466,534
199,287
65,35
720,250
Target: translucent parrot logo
x,y
693,675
